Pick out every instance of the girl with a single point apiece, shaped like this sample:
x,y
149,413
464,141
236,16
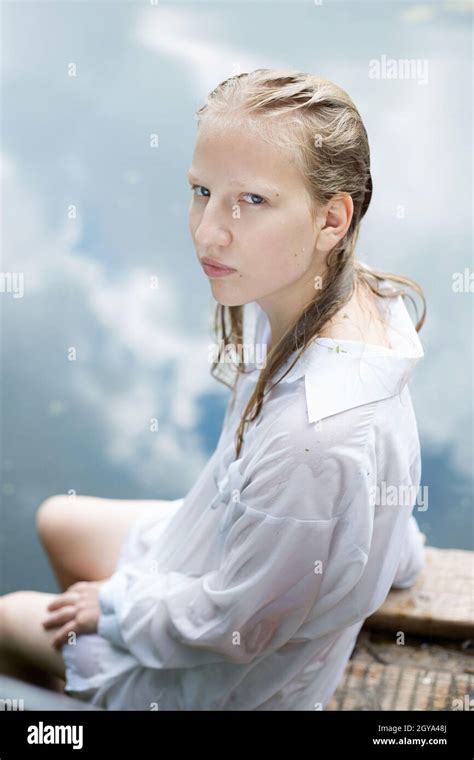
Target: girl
x,y
249,592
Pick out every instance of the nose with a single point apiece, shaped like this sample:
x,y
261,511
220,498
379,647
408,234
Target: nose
x,y
212,229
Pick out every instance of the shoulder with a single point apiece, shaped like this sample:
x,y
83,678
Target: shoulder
x,y
286,427
316,465
361,319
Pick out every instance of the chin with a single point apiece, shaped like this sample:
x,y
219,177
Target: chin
x,y
229,298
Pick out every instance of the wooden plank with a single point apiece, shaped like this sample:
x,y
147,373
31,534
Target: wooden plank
x,y
373,686
440,603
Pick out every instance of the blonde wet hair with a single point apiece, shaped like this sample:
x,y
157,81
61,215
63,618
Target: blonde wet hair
x,y
319,126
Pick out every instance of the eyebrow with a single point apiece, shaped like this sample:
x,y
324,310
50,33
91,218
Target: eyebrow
x,y
246,183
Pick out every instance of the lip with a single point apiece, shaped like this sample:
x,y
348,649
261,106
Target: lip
x,y
215,270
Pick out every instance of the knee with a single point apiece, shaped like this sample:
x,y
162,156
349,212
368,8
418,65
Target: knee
x,y
49,514
6,603
14,608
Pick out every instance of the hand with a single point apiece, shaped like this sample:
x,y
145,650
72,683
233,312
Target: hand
x,y
77,609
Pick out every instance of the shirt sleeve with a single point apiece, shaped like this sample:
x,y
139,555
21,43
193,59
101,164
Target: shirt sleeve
x,y
412,560
288,520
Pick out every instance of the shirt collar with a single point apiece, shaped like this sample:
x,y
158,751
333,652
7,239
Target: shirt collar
x,y
342,374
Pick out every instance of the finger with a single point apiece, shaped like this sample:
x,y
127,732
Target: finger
x,y
58,618
61,637
62,600
79,586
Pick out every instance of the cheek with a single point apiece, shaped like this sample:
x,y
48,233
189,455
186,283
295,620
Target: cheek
x,y
280,252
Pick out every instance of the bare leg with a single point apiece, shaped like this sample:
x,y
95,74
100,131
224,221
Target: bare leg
x,y
83,535
26,650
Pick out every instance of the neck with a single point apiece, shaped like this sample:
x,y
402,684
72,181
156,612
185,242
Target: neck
x,y
285,306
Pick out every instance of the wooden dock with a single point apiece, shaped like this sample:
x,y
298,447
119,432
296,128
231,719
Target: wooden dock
x,y
416,651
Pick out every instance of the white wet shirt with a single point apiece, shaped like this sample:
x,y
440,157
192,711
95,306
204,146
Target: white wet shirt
x,y
250,592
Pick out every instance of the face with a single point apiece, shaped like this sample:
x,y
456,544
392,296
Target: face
x,y
250,210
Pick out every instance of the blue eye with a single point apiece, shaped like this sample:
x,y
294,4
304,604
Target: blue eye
x,y
254,196
194,187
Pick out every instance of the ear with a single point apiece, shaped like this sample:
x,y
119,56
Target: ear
x,y
338,214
